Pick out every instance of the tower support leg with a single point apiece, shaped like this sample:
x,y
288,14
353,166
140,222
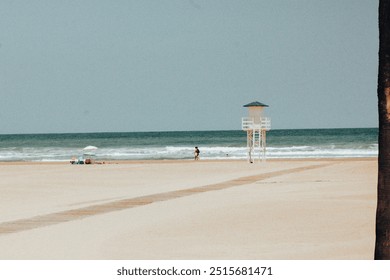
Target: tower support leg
x,y
250,145
263,145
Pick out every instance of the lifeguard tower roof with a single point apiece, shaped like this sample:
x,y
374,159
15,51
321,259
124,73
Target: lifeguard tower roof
x,y
256,104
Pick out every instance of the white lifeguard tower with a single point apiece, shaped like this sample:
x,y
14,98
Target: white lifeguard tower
x,y
256,125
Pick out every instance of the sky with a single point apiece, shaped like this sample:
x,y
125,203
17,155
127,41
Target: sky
x,y
174,65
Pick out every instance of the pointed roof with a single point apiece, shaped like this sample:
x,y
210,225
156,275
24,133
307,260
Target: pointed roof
x,y
256,104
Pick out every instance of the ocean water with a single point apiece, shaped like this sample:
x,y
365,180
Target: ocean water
x,y
294,143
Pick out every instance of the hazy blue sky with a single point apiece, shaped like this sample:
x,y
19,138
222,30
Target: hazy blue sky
x,y
156,65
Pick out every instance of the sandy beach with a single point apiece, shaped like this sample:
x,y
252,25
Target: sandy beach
x,y
281,209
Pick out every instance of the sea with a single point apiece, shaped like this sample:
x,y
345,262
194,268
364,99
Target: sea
x,y
175,145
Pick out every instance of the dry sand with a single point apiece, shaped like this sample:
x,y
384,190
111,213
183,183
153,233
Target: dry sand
x,y
293,209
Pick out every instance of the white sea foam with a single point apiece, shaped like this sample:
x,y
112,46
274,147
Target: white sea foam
x,y
172,152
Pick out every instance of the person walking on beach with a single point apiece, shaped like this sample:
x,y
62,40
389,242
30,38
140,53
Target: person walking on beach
x,y
197,152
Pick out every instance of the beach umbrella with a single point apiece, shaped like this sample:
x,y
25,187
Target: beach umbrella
x,y
90,148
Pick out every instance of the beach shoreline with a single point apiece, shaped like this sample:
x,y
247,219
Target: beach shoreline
x,y
146,161
185,209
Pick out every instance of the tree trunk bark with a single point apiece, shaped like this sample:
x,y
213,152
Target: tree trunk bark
x,y
382,245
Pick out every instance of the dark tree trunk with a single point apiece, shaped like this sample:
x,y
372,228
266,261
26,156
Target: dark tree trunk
x,y
382,246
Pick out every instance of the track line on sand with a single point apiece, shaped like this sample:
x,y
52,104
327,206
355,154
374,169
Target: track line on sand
x,y
93,210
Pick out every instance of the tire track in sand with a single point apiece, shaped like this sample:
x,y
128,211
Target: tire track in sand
x,y
103,208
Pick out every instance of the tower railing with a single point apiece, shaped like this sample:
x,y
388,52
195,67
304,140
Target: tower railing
x,y
248,123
